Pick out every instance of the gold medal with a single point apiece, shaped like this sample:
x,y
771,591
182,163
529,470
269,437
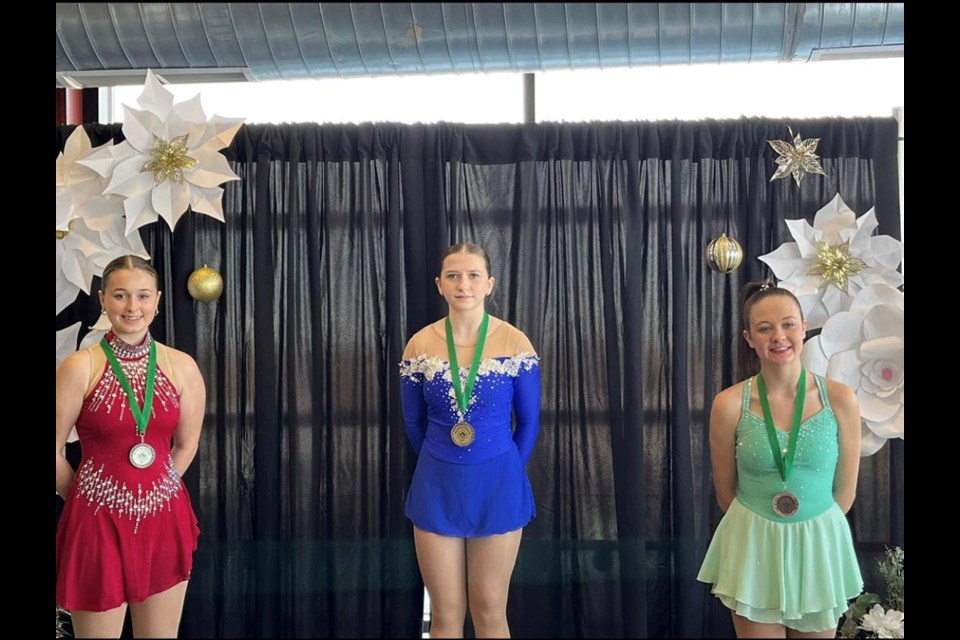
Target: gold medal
x,y
462,434
786,504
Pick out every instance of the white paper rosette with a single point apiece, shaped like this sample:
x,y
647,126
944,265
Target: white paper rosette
x,y
863,348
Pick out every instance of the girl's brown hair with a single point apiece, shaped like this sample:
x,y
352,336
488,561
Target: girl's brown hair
x,y
127,262
465,247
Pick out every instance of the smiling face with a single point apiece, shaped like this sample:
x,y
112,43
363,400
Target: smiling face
x,y
130,298
464,282
777,329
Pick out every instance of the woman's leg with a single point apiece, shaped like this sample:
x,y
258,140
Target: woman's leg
x,y
159,615
490,563
98,624
749,629
828,633
443,566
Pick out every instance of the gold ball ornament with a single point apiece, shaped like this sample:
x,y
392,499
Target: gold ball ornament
x,y
205,284
63,233
724,254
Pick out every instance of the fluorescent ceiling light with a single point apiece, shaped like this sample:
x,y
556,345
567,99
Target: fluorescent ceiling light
x,y
123,77
856,53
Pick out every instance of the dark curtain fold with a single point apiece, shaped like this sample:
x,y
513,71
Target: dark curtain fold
x,y
597,233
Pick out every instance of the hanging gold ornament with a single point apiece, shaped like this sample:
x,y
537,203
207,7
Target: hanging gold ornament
x,y
205,284
724,254
63,233
796,159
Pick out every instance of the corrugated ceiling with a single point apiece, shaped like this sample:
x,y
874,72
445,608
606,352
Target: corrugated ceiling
x,y
100,44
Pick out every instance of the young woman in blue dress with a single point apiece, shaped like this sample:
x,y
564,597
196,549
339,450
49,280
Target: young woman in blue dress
x,y
470,386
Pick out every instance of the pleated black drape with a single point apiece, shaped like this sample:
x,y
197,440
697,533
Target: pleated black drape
x,y
596,232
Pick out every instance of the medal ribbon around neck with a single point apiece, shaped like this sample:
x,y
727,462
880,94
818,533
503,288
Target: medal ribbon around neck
x,y
463,394
784,463
141,416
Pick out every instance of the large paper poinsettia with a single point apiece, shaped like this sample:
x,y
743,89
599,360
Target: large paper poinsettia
x,y
863,348
96,332
80,188
834,259
83,212
67,338
82,253
67,341
170,160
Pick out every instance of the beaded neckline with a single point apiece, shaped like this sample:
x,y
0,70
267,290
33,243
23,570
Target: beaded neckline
x,y
126,351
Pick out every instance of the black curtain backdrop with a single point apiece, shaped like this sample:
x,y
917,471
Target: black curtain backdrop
x,y
597,233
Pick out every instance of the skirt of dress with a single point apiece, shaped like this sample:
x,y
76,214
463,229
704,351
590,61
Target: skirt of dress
x,y
798,574
470,500
106,558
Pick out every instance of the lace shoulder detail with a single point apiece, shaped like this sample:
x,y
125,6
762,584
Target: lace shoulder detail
x,y
511,366
420,367
427,367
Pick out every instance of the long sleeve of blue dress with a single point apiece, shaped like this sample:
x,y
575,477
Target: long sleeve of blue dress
x,y
414,411
526,410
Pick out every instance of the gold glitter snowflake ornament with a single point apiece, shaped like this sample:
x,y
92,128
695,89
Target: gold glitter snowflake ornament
x,y
796,159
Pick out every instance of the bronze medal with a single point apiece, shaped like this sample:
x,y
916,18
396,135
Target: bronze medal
x,y
786,504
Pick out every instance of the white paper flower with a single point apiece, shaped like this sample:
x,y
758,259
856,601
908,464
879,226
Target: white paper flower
x,y
82,253
97,331
863,348
90,225
67,341
170,159
80,188
833,260
886,624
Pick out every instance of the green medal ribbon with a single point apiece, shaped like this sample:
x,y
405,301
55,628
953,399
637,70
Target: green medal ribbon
x,y
784,463
463,394
142,417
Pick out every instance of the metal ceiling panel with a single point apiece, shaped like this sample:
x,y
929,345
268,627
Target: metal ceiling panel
x,y
300,40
